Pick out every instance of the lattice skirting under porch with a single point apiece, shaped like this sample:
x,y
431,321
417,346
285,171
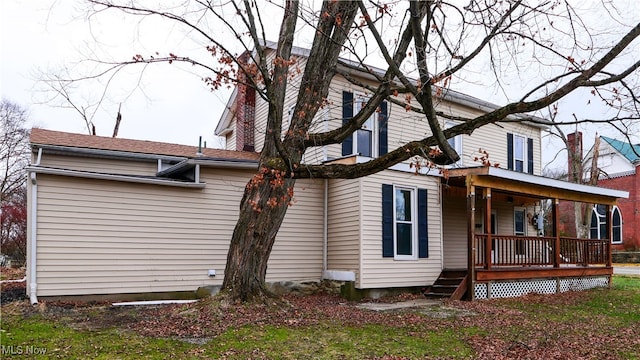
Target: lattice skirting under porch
x,y
502,289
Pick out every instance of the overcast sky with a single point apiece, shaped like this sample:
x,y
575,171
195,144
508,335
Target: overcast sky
x,y
41,36
171,105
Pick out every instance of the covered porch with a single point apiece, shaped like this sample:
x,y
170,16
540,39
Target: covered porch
x,y
521,257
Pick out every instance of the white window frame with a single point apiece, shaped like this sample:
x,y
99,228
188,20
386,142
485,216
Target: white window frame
x,y
414,223
456,145
613,211
359,100
601,220
524,230
524,158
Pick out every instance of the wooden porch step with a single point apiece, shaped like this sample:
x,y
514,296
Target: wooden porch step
x,y
451,284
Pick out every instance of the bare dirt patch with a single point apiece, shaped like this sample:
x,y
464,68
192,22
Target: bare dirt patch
x,y
10,288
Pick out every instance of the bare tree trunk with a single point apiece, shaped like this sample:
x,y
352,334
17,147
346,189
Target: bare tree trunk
x,y
262,211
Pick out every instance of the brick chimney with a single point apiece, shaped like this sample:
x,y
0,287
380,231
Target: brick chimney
x,y
574,157
245,112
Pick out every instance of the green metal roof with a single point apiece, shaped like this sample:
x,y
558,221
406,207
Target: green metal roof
x,y
625,149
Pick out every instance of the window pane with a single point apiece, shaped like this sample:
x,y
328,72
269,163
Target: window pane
x,y
616,217
617,234
403,205
518,216
518,147
617,225
519,166
364,142
403,239
594,226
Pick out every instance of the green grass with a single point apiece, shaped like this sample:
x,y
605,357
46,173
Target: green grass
x,y
599,312
326,341
63,342
333,341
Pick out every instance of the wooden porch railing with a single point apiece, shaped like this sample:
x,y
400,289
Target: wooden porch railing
x,y
539,251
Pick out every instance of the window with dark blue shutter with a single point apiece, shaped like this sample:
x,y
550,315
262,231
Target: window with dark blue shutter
x,y
383,116
423,235
347,114
404,223
530,155
509,151
519,153
387,220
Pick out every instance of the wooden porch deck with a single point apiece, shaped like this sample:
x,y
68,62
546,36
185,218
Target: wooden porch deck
x,y
540,272
526,257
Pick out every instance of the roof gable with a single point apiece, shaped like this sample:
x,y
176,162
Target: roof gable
x,y
450,95
65,139
625,149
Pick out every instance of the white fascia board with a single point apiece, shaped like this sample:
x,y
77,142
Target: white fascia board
x,y
404,167
544,181
216,163
113,177
224,163
225,120
112,154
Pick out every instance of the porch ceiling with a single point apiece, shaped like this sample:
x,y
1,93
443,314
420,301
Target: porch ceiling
x,y
533,185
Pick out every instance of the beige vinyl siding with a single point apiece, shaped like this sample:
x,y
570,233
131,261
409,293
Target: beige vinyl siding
x,y
109,166
101,237
262,107
379,272
404,126
343,248
98,237
230,139
297,251
454,230
493,139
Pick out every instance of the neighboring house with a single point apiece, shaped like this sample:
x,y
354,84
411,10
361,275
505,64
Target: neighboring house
x,y
619,165
118,216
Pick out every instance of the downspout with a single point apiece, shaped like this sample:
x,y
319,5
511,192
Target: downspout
x,y
33,286
325,225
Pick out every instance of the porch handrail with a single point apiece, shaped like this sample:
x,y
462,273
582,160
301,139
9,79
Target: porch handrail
x,y
518,250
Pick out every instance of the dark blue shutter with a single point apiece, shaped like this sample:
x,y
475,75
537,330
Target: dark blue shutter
x,y
509,151
423,235
347,114
382,129
387,220
530,156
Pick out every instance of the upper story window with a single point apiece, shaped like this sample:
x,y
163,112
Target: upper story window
x,y
364,141
371,139
519,153
455,142
598,228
